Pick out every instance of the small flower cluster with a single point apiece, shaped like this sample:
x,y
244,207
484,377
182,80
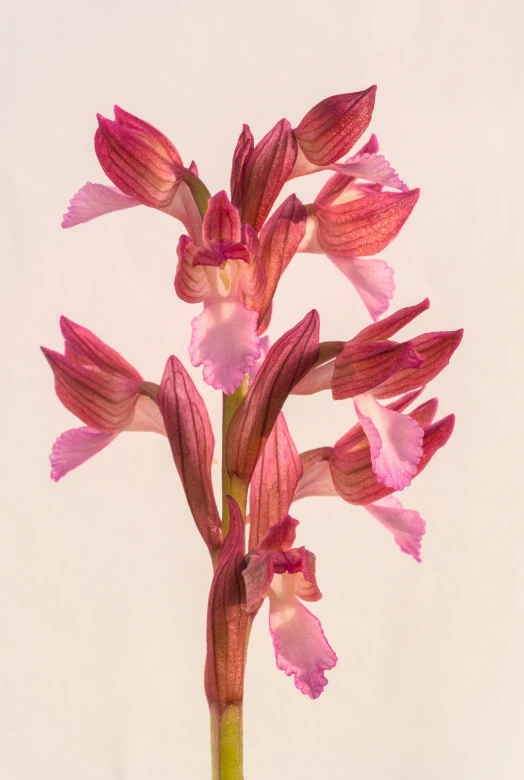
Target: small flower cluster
x,y
230,261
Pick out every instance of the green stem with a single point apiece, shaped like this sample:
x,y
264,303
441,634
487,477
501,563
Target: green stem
x,y
231,487
226,743
226,719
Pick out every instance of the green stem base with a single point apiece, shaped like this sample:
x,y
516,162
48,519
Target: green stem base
x,y
226,743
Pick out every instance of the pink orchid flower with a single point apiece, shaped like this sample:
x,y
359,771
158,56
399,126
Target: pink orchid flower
x,y
346,470
370,367
103,390
145,168
286,575
350,221
222,272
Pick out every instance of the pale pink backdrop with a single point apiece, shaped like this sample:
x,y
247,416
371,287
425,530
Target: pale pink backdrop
x,y
103,577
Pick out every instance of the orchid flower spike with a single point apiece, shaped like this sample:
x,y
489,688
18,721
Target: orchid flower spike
x,y
103,390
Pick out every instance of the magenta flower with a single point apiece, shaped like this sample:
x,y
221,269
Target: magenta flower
x,y
287,576
370,367
103,390
145,168
231,258
222,272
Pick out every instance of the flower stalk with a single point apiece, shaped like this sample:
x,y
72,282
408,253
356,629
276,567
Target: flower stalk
x,y
231,258
227,743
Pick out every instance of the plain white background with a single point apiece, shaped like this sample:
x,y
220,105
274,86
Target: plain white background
x,y
103,579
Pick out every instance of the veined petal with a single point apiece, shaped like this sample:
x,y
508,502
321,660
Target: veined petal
x,y
266,170
84,347
301,649
287,361
363,226
435,351
140,161
390,325
225,342
228,622
243,150
192,443
333,126
95,200
279,240
252,274
362,366
74,447
191,282
372,278
103,401
395,441
157,140
273,483
221,220
406,525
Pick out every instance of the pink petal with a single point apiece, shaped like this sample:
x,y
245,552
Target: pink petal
x,y
138,159
243,150
192,443
252,274
184,208
273,483
287,361
83,346
434,350
392,324
318,379
264,347
406,525
94,200
191,282
221,220
395,441
371,167
147,417
279,537
363,365
74,447
225,342
157,140
356,436
301,649
316,481
329,129
228,622
363,226
266,170
372,279
279,240
351,469
258,576
103,401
